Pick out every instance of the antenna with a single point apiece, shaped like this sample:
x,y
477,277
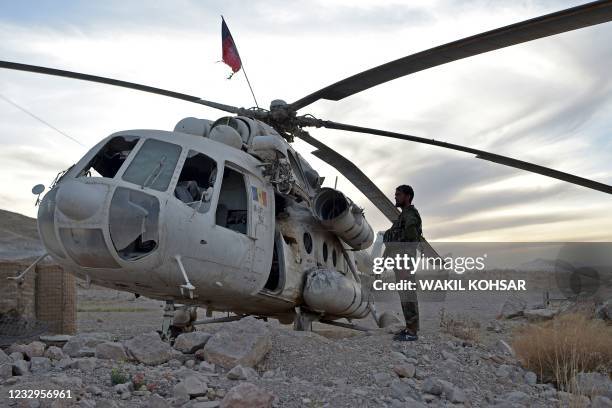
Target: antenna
x,y
336,183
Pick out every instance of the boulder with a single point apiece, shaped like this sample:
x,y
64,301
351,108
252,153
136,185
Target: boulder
x,y
110,350
247,395
242,373
34,349
191,342
244,342
155,401
539,315
149,349
4,359
85,364
388,319
6,371
432,386
513,307
191,386
21,367
39,365
405,370
84,344
604,311
54,353
16,355
601,402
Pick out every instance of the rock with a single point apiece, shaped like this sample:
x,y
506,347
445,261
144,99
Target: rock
x,y
601,402
247,395
531,378
398,357
206,366
503,371
16,355
84,364
405,370
518,397
21,367
85,403
242,373
67,382
106,404
39,365
155,401
174,363
191,342
149,349
4,358
244,342
512,307
16,348
122,388
93,389
55,339
190,363
388,319
199,354
190,386
34,349
453,394
539,315
84,344
401,390
6,370
54,353
382,378
593,384
110,350
206,404
432,386
448,355
64,363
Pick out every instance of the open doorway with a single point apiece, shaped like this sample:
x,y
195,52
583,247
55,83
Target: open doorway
x,y
276,279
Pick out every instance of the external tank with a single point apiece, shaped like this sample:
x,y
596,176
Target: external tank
x,y
330,292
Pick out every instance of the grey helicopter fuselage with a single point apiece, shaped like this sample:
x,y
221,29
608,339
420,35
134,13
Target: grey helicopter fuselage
x,y
196,216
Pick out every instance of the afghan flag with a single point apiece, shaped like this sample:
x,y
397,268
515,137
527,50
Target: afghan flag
x,y
230,52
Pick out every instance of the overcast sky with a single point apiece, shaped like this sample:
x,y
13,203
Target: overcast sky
x,y
548,101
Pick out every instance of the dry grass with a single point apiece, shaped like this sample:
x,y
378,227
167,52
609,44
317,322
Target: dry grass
x,y
459,326
559,349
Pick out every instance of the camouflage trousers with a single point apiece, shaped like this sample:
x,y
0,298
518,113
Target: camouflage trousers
x,y
408,298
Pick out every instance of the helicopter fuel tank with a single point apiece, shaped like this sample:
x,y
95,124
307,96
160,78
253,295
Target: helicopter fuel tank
x,y
338,214
330,292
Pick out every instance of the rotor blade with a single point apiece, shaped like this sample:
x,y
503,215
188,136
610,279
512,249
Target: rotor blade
x,y
109,81
562,21
480,154
349,170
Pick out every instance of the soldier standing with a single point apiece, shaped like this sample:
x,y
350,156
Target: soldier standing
x,y
402,238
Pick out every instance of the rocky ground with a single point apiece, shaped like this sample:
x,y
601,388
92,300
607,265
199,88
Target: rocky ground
x,y
117,360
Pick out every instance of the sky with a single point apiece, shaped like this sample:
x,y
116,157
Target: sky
x,y
548,101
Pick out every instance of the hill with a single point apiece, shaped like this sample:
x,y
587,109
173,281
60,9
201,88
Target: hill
x,y
18,237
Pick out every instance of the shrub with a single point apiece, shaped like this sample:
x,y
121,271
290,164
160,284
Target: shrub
x,y
118,376
559,349
459,326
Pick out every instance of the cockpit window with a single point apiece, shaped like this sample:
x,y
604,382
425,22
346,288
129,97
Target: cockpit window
x,y
108,161
153,165
196,182
296,170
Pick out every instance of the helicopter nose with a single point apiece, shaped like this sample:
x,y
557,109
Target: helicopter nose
x,y
78,200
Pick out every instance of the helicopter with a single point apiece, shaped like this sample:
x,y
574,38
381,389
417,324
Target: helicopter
x,y
226,215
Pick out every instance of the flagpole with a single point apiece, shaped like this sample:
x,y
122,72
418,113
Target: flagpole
x,y
249,84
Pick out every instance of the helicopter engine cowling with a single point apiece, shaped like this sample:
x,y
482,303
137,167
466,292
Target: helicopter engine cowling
x,y
330,292
338,214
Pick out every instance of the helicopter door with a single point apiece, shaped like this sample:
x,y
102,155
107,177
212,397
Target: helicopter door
x,y
261,203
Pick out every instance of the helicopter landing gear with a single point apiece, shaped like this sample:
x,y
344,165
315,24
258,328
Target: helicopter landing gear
x,y
177,320
303,320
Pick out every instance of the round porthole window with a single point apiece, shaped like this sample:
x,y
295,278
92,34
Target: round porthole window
x,y
307,242
334,257
325,252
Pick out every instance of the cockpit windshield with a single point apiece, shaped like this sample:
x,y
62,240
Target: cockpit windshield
x,y
108,161
153,165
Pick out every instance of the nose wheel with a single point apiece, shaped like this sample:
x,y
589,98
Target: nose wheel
x,y
177,320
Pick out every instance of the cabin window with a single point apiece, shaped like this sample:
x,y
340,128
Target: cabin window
x,y
232,206
307,242
153,165
108,161
196,181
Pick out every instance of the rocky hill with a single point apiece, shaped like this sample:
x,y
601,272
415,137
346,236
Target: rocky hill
x,y
18,237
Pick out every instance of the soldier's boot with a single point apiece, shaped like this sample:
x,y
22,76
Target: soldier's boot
x,y
407,334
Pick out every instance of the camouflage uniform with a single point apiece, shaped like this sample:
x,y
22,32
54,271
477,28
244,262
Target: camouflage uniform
x,y
402,238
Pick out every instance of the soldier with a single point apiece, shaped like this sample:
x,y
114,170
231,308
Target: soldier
x,y
402,238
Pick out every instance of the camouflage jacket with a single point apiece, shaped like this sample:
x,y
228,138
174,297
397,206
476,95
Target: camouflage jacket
x,y
407,227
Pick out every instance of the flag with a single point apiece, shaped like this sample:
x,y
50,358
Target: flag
x,y
230,52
